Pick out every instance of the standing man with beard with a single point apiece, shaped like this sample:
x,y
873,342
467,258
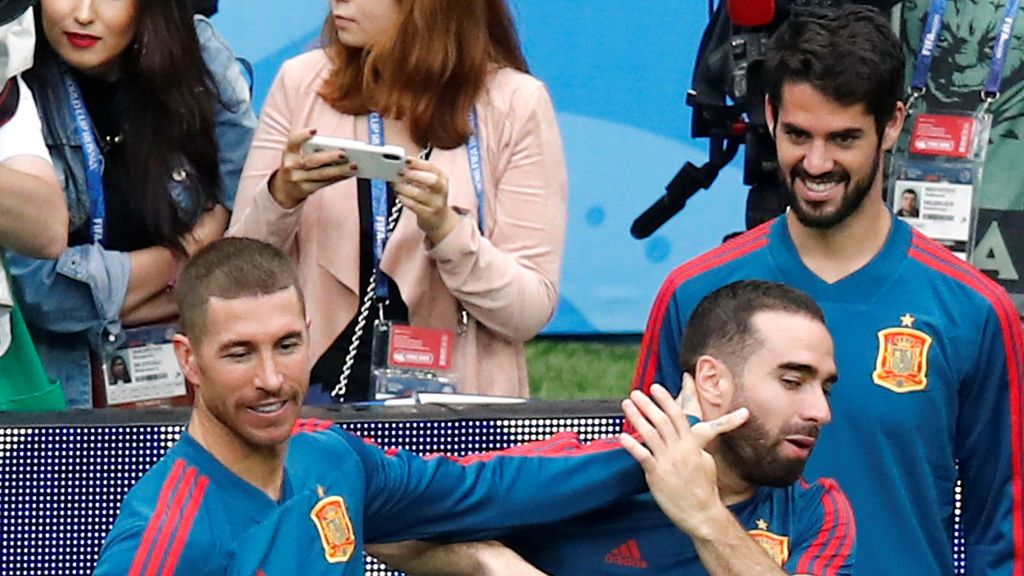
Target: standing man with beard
x,y
930,349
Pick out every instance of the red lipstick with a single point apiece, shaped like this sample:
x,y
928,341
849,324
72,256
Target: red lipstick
x,y
81,40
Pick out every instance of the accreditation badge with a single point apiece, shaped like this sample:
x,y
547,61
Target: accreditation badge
x,y
406,360
143,371
933,183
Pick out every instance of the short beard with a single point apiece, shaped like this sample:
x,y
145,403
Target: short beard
x,y
753,454
851,201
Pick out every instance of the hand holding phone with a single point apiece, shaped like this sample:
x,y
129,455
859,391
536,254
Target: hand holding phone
x,y
373,162
302,172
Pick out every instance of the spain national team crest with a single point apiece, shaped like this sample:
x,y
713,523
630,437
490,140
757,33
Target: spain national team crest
x,y
331,519
776,546
902,363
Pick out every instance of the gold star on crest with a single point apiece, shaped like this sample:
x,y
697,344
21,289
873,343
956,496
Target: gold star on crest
x,y
320,492
907,320
762,524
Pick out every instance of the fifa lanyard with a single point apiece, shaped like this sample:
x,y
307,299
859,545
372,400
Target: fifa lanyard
x,y
92,155
929,39
379,195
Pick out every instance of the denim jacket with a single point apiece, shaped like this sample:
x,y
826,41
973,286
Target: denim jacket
x,y
75,301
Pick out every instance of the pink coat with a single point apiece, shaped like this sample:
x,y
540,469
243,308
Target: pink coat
x,y
507,278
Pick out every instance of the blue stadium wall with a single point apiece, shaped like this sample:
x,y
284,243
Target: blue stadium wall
x,y
618,74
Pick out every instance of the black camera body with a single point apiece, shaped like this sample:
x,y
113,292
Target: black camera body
x,y
727,97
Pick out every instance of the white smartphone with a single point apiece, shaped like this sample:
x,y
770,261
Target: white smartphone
x,y
373,162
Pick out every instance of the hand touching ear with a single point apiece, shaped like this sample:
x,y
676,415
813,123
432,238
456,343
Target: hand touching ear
x,y
680,472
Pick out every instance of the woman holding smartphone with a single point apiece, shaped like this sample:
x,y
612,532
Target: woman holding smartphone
x,y
467,243
146,116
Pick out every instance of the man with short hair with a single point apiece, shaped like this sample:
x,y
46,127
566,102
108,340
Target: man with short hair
x,y
908,204
250,489
734,506
930,349
33,214
738,506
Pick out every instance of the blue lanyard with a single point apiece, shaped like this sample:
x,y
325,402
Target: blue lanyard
x,y
476,170
92,155
379,202
929,39
995,73
379,194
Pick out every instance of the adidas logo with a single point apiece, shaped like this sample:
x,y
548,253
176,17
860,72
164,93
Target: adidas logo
x,y
627,555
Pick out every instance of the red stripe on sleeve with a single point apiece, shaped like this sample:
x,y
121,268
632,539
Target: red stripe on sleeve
x,y
159,514
649,347
169,527
839,549
825,563
561,444
181,536
847,550
941,259
813,553
310,425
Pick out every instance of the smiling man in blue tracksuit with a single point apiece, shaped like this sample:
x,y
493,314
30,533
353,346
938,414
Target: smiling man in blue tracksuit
x,y
250,490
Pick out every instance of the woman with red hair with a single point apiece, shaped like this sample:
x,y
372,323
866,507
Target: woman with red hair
x,y
469,240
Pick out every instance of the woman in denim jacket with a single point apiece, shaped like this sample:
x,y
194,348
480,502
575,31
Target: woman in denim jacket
x,y
164,121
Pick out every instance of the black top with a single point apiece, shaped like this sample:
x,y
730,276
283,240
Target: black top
x,y
125,226
327,370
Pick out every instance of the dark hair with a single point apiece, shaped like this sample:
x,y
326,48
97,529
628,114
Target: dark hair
x,y
910,191
430,68
849,54
230,268
168,117
165,112
720,325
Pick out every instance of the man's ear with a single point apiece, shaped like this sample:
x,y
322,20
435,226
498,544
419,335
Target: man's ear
x,y
714,385
185,354
891,132
769,115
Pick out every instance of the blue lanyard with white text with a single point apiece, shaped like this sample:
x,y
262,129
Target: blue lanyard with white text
x,y
92,156
379,203
995,73
379,194
929,40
